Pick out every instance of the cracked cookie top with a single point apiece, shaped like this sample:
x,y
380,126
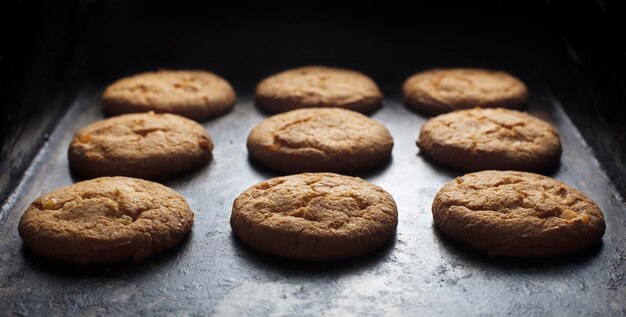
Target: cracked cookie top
x,y
315,216
145,145
105,219
318,86
194,94
320,139
478,139
443,90
517,214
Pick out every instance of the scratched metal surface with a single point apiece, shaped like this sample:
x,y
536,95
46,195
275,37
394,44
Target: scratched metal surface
x,y
420,273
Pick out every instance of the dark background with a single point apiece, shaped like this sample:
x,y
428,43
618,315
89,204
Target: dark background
x,y
51,49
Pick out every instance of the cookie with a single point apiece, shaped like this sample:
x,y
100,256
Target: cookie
x,y
143,145
318,86
314,216
439,91
105,219
193,94
480,139
517,214
320,140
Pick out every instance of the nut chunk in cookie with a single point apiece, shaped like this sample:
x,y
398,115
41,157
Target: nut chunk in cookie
x,y
104,220
320,140
315,216
517,214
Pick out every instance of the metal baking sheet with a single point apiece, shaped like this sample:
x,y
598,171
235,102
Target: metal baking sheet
x,y
420,273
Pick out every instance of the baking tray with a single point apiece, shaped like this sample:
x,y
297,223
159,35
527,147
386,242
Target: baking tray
x,y
65,53
421,272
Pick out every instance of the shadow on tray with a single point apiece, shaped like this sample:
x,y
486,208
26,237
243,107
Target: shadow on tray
x,y
467,255
171,181
155,263
454,172
293,267
270,173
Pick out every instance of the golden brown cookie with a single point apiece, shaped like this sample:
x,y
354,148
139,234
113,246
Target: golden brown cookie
x,y
318,86
193,94
315,216
439,91
143,145
480,139
320,140
517,214
105,219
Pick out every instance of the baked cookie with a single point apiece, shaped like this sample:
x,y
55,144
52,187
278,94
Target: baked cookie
x,y
143,145
517,214
315,216
480,139
193,94
105,219
443,90
320,140
318,86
